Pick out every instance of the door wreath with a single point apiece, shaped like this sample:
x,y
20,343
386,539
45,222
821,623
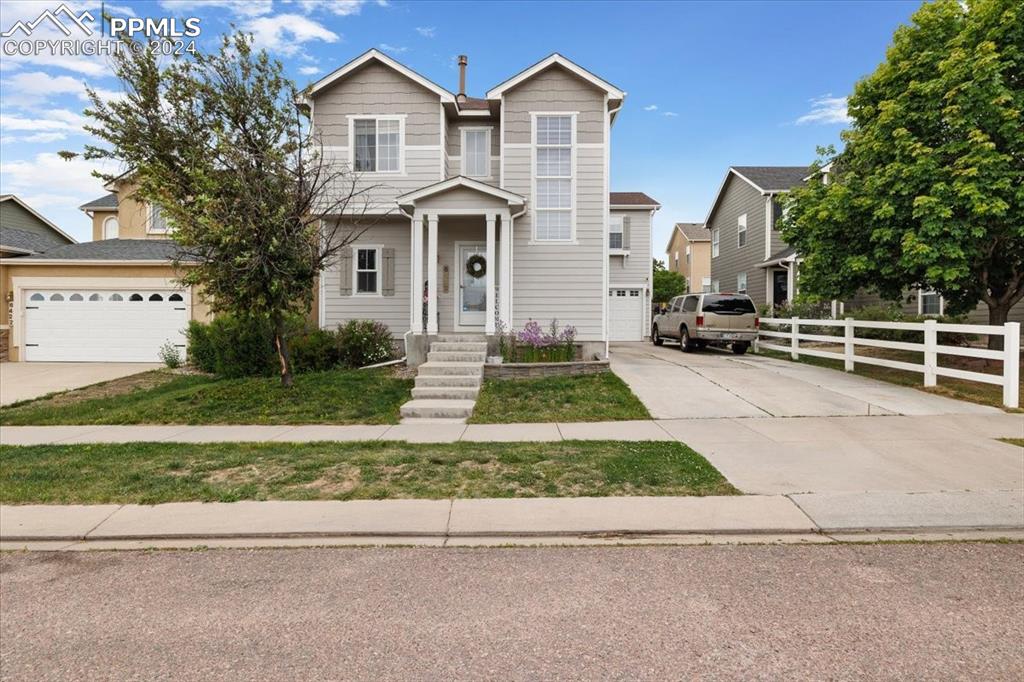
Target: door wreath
x,y
476,266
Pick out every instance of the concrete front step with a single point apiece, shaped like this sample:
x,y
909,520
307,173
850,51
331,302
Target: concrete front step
x,y
452,346
455,356
437,409
461,338
447,381
464,369
427,421
445,393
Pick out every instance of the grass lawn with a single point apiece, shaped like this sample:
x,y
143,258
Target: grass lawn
x,y
971,391
588,398
150,473
161,397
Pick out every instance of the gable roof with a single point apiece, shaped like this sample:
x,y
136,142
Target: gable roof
x,y
549,61
24,241
375,54
411,198
37,215
162,250
693,232
773,178
632,200
107,202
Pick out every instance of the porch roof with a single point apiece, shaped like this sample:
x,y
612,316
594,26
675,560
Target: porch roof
x,y
786,255
461,182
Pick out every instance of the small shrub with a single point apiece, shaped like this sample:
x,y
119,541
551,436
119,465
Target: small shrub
x,y
170,355
363,342
315,350
893,313
200,350
533,344
233,347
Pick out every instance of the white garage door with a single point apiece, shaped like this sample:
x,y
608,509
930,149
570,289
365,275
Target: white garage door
x,y
626,315
86,325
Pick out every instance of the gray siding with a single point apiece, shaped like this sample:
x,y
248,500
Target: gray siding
x,y
377,89
908,304
14,216
739,198
635,269
777,243
554,89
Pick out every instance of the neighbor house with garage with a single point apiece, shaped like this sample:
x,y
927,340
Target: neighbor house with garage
x,y
491,211
114,299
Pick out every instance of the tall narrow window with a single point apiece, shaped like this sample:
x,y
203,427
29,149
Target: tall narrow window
x,y
367,271
615,232
157,222
741,283
714,242
476,152
554,200
688,259
741,231
377,145
110,228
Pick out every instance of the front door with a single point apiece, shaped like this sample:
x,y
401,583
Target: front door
x,y
780,287
473,284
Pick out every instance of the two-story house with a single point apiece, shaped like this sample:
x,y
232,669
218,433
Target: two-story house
x,y
748,254
689,254
492,211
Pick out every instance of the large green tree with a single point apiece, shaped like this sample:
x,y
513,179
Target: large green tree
x,y
221,143
929,188
666,283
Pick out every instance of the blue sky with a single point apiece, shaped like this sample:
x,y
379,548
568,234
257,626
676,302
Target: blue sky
x,y
710,84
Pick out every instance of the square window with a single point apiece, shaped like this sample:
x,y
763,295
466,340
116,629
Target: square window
x,y
377,145
553,225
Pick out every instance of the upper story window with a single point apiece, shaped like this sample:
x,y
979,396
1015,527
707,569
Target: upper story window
x,y
677,261
111,228
688,255
377,145
777,213
476,152
615,231
741,282
553,199
367,270
714,242
741,231
157,222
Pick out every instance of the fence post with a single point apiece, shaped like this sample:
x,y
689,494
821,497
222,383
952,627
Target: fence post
x,y
848,333
1011,364
931,342
794,338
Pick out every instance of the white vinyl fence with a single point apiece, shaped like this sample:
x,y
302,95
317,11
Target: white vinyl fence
x,y
1010,355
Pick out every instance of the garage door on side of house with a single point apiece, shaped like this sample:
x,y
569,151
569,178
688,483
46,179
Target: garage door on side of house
x,y
625,314
102,325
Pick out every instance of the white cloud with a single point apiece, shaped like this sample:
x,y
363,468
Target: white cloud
x,y
52,120
426,31
242,8
651,107
826,110
285,33
28,90
669,114
341,8
309,70
12,11
393,48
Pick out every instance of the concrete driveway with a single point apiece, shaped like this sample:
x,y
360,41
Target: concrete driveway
x,y
27,380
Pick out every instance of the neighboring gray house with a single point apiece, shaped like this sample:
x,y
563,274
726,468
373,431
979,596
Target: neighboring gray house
x,y
496,210
747,252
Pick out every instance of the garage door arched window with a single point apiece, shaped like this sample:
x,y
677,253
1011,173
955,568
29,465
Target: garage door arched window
x,y
95,297
116,297
56,297
175,298
76,297
135,298
156,297
37,297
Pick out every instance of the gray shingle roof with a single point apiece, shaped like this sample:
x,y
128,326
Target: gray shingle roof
x,y
779,255
774,178
695,232
108,201
29,241
114,249
630,199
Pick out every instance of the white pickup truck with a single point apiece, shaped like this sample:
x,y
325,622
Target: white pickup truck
x,y
699,320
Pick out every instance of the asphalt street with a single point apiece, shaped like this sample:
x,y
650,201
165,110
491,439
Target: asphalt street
x,y
922,611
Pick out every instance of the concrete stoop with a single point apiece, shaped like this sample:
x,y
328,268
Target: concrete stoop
x,y
448,383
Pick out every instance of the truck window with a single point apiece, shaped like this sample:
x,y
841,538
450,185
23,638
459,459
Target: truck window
x,y
728,304
690,304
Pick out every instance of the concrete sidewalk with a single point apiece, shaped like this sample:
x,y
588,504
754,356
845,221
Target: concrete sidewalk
x,y
514,521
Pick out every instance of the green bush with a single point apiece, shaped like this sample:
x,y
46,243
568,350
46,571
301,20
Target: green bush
x,y
200,350
315,350
363,342
233,346
893,313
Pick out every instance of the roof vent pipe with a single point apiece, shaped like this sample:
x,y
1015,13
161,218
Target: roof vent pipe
x,y
463,60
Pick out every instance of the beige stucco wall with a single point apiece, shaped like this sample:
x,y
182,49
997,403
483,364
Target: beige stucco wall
x,y
700,264
132,216
13,311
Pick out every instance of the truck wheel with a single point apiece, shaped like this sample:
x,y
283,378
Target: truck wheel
x,y
740,347
685,344
655,337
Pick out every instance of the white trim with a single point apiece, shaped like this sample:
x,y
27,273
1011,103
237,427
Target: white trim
x,y
741,221
460,181
490,300
432,288
462,150
716,242
82,261
769,223
611,91
572,115
606,244
501,150
379,248
352,118
37,214
442,148
103,227
634,207
345,69
457,302
16,250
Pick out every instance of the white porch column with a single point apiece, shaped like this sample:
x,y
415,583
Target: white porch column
x,y
505,312
417,274
489,319
432,273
